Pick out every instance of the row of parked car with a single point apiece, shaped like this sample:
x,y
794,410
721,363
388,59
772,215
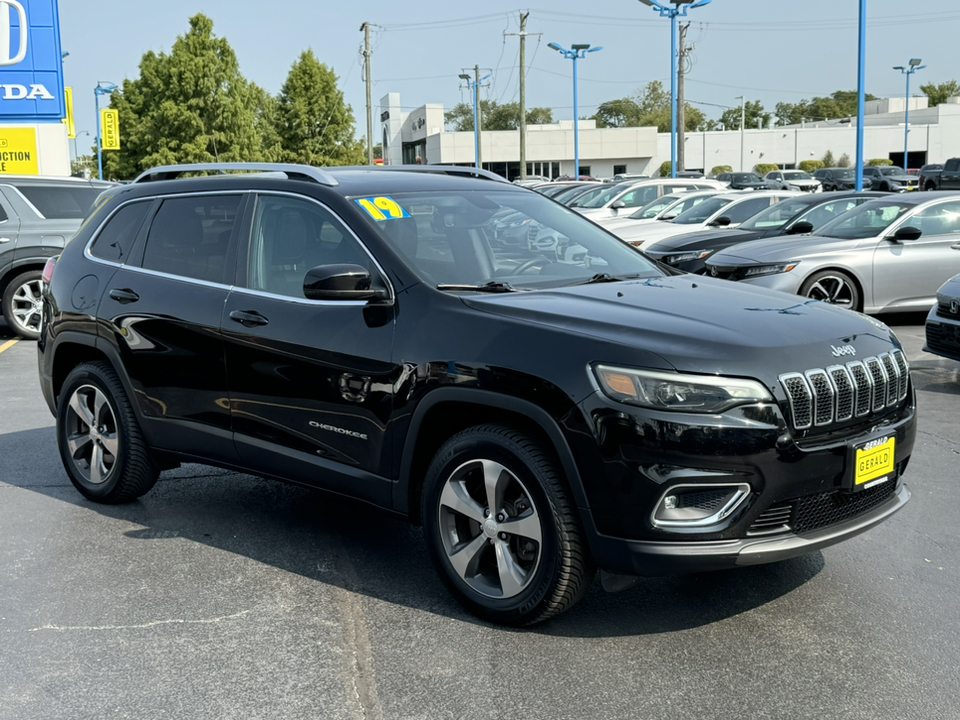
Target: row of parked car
x,y
868,251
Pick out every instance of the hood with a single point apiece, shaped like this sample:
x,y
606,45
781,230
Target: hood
x,y
782,248
650,232
898,178
696,324
951,288
704,239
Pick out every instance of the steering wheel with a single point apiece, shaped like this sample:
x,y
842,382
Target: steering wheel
x,y
527,264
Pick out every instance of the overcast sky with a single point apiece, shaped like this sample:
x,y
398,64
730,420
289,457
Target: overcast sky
x,y
768,50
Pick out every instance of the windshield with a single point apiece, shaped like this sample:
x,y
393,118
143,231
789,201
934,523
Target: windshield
x,y
599,198
516,240
868,220
746,177
702,212
568,194
672,204
776,216
843,174
797,175
891,170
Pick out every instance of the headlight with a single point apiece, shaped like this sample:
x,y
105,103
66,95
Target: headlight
x,y
683,257
760,270
675,391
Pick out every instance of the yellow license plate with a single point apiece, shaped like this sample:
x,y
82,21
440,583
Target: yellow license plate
x,y
874,460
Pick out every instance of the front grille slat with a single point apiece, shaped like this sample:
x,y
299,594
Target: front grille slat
x,y
822,397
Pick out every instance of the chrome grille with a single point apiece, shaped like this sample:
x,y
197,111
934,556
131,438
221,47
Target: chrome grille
x,y
819,397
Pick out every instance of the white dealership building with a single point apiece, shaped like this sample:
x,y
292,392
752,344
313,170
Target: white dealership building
x,y
420,137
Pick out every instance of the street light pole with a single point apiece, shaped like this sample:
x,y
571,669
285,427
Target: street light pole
x,y
912,67
861,78
743,118
575,52
473,84
99,90
679,10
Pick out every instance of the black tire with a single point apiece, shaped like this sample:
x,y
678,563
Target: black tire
x,y
834,287
21,305
525,562
101,446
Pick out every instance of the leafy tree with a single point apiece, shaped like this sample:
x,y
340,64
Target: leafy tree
x,y
828,159
762,169
649,106
842,103
494,116
810,166
753,113
618,113
844,161
717,169
879,162
939,93
315,124
192,105
665,168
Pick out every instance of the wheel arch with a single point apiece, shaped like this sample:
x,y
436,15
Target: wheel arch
x,y
447,411
18,268
849,272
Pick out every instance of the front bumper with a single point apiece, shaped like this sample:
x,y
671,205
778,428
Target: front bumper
x,y
942,334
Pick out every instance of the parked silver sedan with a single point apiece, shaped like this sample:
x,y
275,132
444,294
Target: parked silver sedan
x,y
883,256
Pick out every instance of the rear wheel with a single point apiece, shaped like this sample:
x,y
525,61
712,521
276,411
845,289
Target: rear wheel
x,y
834,287
101,446
501,529
22,305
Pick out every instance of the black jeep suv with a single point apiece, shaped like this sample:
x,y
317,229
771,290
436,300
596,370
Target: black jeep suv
x,y
543,408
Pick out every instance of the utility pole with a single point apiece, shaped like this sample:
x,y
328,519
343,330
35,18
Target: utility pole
x,y
366,66
523,91
477,115
681,106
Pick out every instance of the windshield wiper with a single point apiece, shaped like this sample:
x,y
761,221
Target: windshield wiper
x,y
607,277
492,286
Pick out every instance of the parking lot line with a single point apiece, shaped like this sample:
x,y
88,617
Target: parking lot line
x,y
9,344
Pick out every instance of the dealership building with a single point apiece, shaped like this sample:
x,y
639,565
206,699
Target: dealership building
x,y
420,137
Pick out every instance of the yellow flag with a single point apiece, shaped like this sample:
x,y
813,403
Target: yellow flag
x,y
110,124
71,127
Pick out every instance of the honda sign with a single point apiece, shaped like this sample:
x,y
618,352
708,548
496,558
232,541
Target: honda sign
x,y
31,66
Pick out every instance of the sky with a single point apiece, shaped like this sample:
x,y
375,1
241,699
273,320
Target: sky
x,y
768,50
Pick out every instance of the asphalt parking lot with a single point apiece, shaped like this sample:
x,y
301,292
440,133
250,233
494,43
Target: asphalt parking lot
x,y
221,595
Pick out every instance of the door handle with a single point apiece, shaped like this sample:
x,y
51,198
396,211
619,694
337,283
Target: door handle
x,y
247,318
5,240
123,296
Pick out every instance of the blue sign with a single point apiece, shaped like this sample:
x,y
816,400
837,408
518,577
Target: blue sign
x,y
31,66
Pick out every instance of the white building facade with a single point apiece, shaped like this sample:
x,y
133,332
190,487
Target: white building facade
x,y
419,137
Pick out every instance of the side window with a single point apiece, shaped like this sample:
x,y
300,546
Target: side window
x,y
3,214
189,236
60,202
943,219
291,236
748,208
640,196
115,239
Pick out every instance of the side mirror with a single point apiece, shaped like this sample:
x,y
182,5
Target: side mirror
x,y
721,221
342,281
618,205
908,232
801,228
955,246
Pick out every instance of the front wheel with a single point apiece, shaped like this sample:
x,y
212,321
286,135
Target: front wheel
x,y
22,304
834,287
501,529
101,446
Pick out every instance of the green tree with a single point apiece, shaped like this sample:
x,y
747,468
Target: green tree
x,y
192,105
753,114
879,162
844,161
810,166
618,113
648,107
841,104
666,167
939,93
314,123
494,116
828,160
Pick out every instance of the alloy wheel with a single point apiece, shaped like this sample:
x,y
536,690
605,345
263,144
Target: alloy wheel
x,y
490,529
835,290
91,434
28,306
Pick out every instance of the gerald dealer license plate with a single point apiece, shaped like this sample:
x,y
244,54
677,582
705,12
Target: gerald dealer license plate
x,y
874,462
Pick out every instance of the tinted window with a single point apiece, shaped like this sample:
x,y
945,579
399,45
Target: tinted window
x,y
640,196
748,208
701,212
60,202
189,236
777,215
868,220
115,239
943,219
291,236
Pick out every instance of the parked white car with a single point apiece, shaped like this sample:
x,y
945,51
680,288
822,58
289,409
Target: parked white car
x,y
793,180
725,210
609,200
665,207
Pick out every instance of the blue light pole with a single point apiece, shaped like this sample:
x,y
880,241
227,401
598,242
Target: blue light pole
x,y
574,53
679,10
473,85
101,89
908,71
861,74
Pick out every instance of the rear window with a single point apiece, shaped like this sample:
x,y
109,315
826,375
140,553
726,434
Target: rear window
x,y
61,203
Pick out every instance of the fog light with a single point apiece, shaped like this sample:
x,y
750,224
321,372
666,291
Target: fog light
x,y
697,507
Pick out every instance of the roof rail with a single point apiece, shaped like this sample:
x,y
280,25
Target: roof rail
x,y
292,171
435,170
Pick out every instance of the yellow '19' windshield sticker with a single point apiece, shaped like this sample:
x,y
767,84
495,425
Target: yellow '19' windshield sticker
x,y
382,208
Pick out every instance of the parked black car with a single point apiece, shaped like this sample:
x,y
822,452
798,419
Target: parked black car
x,y
744,181
839,179
37,216
890,178
941,177
541,412
793,216
943,321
